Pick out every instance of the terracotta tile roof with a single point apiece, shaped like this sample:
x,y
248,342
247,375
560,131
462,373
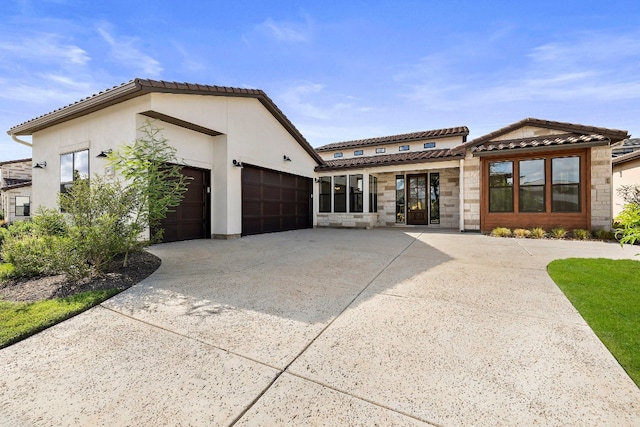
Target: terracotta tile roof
x,y
634,155
390,159
139,87
10,183
614,135
542,141
405,137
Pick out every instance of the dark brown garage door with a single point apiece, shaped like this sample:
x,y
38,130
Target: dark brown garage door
x,y
191,219
274,201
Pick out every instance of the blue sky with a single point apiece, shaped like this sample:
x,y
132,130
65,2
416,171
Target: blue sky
x,y
338,70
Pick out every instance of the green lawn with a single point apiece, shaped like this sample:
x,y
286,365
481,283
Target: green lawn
x,y
607,294
21,320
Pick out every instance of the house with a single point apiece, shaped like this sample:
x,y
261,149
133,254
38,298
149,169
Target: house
x,y
408,179
533,173
252,170
15,189
626,171
627,146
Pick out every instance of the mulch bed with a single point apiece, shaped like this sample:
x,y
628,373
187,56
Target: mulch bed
x,y
139,267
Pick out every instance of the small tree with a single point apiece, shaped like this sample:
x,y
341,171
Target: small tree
x,y
152,172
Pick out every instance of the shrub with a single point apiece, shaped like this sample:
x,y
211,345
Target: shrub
x,y
32,255
538,233
501,232
581,234
521,232
558,233
605,235
629,224
50,222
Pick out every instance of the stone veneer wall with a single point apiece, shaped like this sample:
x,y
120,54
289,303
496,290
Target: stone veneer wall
x,y
449,197
601,192
347,220
471,193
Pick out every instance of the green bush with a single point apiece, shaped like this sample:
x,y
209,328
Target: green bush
x,y
581,234
33,255
50,222
605,235
538,233
558,233
521,232
501,232
629,224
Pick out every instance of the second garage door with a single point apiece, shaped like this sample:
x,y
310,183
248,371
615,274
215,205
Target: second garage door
x,y
274,201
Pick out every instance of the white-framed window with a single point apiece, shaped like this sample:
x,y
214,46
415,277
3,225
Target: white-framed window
x,y
403,148
73,166
381,150
337,155
429,145
23,206
358,153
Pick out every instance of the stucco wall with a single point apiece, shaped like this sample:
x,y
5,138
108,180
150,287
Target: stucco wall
x,y
601,194
627,173
250,135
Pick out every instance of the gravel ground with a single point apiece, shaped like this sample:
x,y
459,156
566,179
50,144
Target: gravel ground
x,y
140,266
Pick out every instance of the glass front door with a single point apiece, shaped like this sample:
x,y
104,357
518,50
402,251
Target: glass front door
x,y
417,212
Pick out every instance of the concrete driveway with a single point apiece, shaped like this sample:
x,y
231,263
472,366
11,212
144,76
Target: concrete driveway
x,y
329,327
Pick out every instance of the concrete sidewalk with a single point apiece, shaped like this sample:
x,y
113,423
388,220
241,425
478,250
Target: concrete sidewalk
x,y
330,327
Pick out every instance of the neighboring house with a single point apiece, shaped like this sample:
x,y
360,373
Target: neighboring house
x,y
627,146
626,171
15,189
253,172
252,169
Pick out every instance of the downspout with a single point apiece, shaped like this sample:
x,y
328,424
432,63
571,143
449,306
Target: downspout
x,y
20,141
461,185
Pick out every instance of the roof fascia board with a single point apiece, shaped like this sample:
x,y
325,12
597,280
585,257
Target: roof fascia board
x,y
181,123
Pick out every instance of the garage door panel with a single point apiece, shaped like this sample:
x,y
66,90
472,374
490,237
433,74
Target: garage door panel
x,y
190,220
274,201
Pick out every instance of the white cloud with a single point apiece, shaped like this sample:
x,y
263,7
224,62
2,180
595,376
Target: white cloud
x,y
287,32
124,51
44,48
296,98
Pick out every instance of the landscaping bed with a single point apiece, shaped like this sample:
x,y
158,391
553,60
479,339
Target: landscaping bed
x,y
140,265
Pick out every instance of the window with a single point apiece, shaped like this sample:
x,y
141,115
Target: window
x,y
355,193
403,148
73,166
434,185
429,145
340,193
358,153
337,155
565,184
381,150
373,194
400,199
325,194
23,206
531,180
548,184
500,186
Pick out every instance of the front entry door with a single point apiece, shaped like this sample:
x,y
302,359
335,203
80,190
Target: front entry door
x,y
417,213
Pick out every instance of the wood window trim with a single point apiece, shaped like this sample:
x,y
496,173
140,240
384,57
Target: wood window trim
x,y
488,220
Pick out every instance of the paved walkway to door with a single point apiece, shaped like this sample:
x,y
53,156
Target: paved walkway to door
x,y
329,327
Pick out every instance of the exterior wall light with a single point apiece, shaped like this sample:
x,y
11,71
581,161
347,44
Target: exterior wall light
x,y
105,153
40,165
